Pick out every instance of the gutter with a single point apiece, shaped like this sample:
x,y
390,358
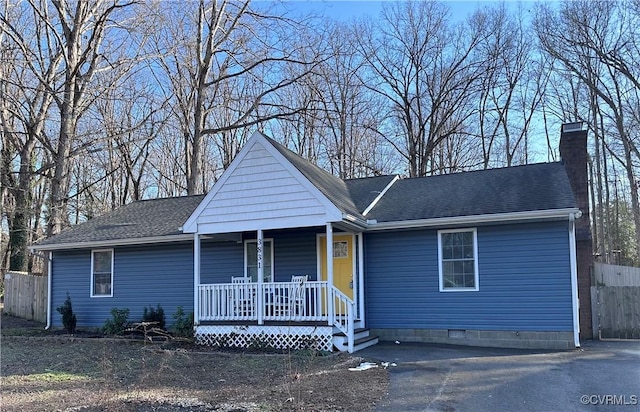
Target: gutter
x,y
355,220
474,219
575,302
113,242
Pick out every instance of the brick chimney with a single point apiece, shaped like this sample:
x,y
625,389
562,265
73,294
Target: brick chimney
x,y
573,151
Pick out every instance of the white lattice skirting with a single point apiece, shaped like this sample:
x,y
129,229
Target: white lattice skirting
x,y
265,337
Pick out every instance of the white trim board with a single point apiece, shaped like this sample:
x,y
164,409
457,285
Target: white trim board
x,y
91,274
113,242
474,219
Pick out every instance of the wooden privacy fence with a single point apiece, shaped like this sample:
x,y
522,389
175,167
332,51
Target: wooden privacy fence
x,y
615,300
25,296
614,275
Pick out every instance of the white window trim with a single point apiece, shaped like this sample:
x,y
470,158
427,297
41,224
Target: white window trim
x,y
91,285
475,259
246,260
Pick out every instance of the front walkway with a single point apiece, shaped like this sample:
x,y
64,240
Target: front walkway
x,y
446,378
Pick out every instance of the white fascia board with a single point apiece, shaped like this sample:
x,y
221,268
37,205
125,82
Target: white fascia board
x,y
377,199
353,220
113,242
476,219
191,225
263,224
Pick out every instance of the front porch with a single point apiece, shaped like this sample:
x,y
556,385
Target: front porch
x,y
271,216
300,314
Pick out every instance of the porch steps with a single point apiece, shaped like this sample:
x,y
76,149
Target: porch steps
x,y
362,340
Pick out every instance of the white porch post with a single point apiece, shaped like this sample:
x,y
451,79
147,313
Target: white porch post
x,y
260,295
196,279
361,277
331,302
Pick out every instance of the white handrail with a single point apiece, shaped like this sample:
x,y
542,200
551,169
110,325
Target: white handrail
x,y
343,315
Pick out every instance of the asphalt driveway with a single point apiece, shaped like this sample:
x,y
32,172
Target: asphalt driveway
x,y
602,376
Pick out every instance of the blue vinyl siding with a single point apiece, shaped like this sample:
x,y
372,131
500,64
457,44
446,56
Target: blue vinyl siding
x,y
163,274
524,281
294,254
142,276
220,261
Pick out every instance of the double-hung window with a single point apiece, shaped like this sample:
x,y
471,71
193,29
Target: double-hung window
x,y
458,259
102,273
251,259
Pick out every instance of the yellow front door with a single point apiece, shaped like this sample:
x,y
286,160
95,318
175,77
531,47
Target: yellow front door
x,y
342,262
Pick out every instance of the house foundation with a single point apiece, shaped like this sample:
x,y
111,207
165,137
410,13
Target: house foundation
x,y
487,338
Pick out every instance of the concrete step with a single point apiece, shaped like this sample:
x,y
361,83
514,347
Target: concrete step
x,y
362,340
362,343
357,333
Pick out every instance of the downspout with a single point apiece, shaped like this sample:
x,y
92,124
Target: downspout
x,y
196,279
49,275
361,278
575,303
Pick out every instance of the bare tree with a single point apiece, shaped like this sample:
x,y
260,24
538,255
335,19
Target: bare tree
x,y
597,43
222,69
513,84
30,63
426,70
350,112
337,126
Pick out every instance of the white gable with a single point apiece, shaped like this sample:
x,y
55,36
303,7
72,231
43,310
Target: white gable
x,y
261,190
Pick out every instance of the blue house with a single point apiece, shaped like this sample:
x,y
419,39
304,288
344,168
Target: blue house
x,y
283,253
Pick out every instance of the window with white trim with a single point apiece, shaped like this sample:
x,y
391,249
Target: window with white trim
x,y
458,259
251,259
340,249
102,273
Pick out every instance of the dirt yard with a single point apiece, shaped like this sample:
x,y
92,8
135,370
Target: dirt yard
x,y
49,371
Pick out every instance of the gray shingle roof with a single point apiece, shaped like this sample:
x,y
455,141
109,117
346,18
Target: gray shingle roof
x,y
543,186
142,219
363,191
534,187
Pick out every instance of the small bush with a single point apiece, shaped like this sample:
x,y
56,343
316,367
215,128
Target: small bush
x,y
68,317
154,315
118,323
183,323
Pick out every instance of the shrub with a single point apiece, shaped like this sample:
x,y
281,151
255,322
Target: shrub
x,y
68,317
183,323
154,315
118,322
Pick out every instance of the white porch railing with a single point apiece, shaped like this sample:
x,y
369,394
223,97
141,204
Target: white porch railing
x,y
228,301
281,301
343,315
